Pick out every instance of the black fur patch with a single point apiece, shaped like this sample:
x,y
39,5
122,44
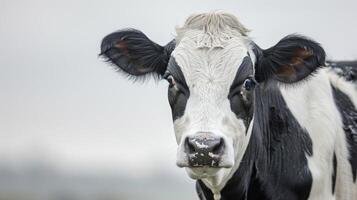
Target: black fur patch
x,y
349,117
244,71
334,162
242,106
178,94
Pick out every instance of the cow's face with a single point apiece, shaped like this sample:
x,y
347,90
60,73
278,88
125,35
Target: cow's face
x,y
210,94
212,69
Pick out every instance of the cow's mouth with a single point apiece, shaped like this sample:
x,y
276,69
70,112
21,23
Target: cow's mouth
x,y
204,162
202,172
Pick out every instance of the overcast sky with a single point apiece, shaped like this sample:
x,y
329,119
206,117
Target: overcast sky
x,y
58,101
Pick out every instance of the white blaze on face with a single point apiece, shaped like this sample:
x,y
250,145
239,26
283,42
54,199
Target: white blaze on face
x,y
209,73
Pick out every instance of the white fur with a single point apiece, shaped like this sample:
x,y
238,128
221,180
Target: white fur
x,y
312,104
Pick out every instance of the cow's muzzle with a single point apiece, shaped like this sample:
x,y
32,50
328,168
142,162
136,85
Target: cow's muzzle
x,y
203,149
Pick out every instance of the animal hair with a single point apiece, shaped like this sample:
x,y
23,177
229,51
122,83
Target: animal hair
x,y
213,23
216,26
130,51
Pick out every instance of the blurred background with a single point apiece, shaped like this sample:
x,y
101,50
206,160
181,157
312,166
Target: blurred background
x,y
73,129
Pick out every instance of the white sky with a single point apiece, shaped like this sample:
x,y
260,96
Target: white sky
x,y
58,101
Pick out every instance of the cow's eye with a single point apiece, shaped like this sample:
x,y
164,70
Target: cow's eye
x,y
171,80
249,84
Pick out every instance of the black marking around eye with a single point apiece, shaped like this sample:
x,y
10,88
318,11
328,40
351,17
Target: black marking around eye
x,y
242,107
245,70
179,94
174,69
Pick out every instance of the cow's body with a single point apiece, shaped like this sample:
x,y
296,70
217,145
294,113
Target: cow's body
x,y
252,123
303,144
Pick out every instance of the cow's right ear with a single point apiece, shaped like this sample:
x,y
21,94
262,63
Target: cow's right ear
x,y
135,54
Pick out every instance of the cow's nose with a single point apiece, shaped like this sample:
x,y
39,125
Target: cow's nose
x,y
198,144
204,149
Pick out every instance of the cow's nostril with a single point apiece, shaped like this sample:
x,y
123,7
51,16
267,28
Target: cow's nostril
x,y
190,146
219,147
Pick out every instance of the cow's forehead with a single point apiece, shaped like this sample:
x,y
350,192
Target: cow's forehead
x,y
218,63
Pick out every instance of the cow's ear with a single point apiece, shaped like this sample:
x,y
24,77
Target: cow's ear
x,y
291,60
135,54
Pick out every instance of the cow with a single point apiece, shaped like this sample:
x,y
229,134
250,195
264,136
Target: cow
x,y
251,123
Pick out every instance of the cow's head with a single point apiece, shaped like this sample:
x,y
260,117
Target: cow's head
x,y
212,68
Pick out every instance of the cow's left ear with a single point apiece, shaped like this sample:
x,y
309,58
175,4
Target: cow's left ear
x,y
291,60
135,54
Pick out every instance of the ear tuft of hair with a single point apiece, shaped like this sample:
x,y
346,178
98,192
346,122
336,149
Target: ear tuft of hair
x,y
291,60
133,53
